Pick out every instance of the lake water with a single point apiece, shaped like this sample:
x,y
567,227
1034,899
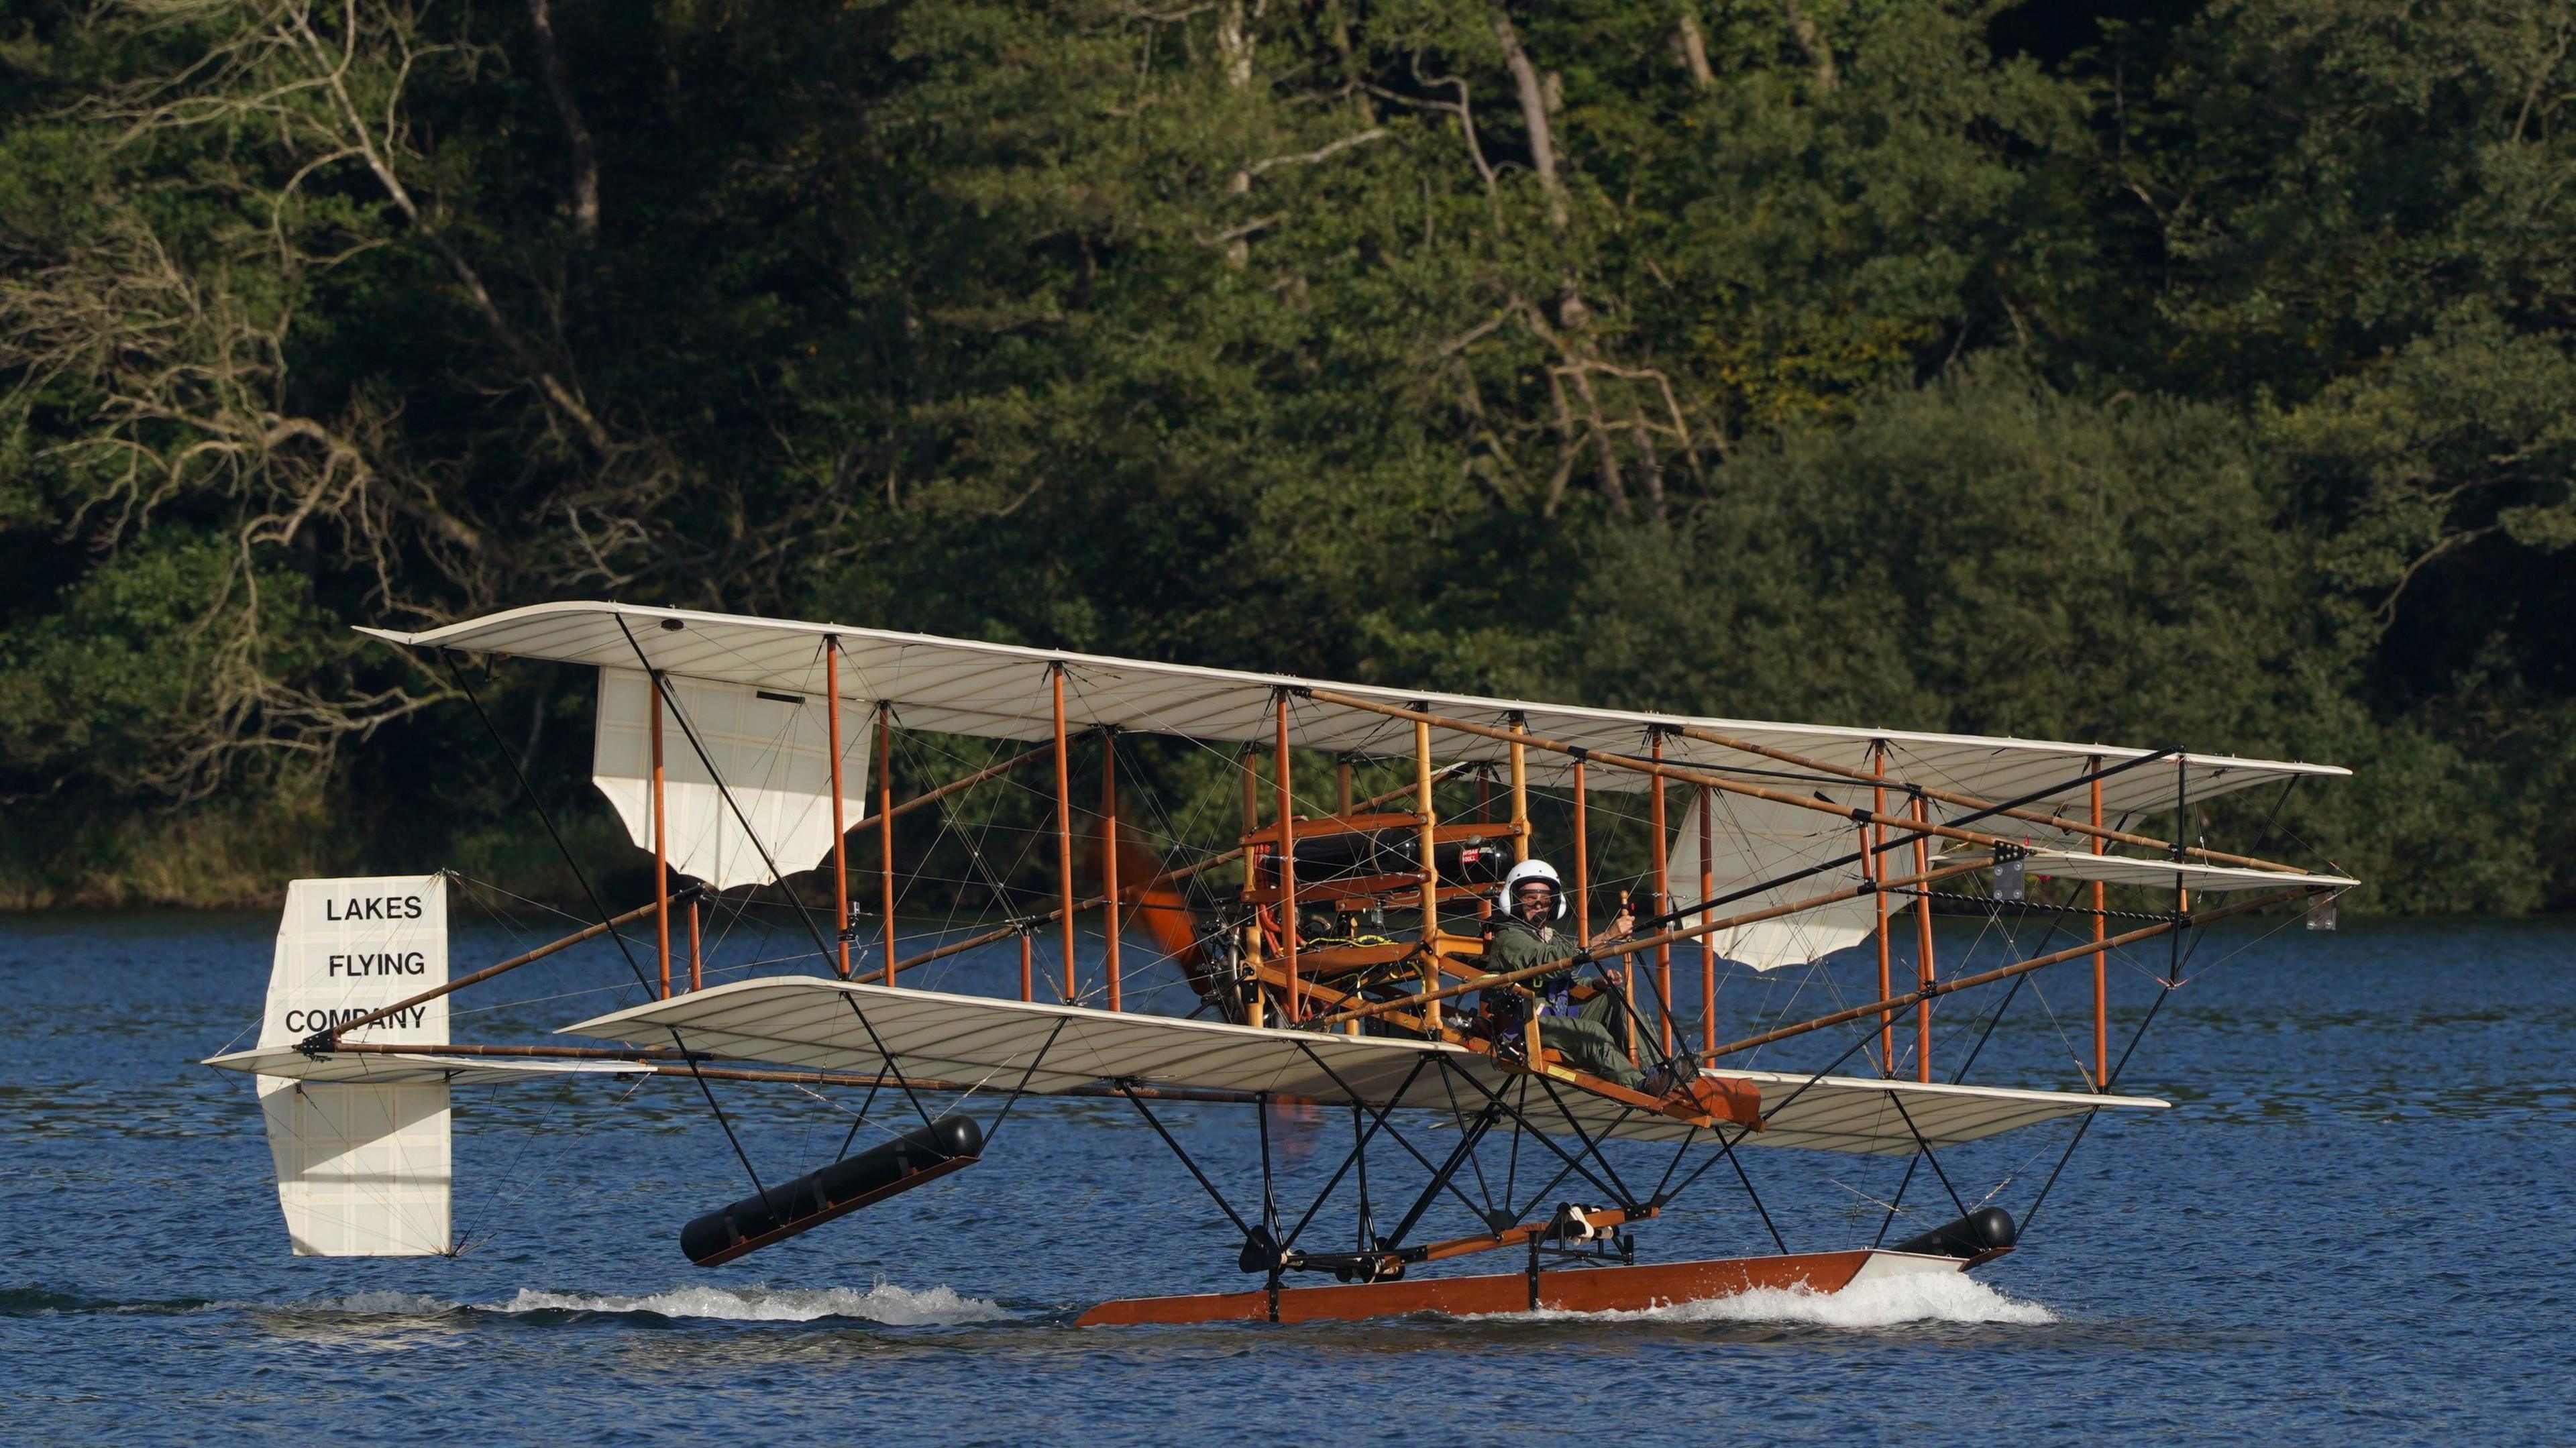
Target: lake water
x,y
2354,1227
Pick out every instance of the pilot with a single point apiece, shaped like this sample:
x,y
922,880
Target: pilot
x,y
1530,932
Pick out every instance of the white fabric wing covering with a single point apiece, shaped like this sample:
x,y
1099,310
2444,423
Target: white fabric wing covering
x,y
818,1024
2165,874
1754,840
772,750
362,1170
1002,691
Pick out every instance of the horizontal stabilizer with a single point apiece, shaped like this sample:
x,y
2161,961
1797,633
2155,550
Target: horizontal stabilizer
x,y
427,1066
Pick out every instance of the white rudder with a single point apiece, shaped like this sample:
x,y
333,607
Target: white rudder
x,y
362,1170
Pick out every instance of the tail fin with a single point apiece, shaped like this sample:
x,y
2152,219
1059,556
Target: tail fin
x,y
362,1170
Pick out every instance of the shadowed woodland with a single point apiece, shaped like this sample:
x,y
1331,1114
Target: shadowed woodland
x,y
2180,373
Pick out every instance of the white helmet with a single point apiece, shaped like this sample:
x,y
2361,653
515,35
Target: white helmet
x,y
1530,870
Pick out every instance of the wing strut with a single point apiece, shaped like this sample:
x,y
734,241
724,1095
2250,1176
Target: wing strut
x,y
805,917
545,817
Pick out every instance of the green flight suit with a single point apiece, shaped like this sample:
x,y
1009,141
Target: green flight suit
x,y
1585,1036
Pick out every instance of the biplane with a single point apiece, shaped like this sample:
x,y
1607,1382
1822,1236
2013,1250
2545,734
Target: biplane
x,y
1297,944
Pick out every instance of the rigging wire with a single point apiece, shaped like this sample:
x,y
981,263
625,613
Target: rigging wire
x,y
822,950
546,817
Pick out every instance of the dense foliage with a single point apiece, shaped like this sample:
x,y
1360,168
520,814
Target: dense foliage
x,y
2189,372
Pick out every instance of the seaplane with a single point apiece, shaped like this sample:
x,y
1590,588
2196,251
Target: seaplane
x,y
1263,934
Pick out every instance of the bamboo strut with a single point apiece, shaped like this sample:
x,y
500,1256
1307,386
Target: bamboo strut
x,y
918,1083
933,796
1632,947
2006,972
1023,926
571,1053
1446,771
2095,830
588,932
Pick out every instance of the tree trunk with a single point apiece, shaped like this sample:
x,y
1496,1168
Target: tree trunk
x,y
1234,41
1694,49
1812,41
585,162
1533,99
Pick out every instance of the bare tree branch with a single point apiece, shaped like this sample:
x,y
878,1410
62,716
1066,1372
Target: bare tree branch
x,y
1320,153
585,162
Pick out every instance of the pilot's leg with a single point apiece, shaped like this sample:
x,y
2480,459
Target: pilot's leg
x,y
1587,1045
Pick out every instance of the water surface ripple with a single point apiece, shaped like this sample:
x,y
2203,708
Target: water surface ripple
x,y
2352,1228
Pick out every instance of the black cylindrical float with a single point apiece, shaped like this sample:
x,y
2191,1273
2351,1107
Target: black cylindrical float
x,y
852,1182
1987,1229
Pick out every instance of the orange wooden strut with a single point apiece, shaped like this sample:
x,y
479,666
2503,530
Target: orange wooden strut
x,y
661,844
885,827
1707,943
1520,794
1923,948
1877,874
1426,843
1253,855
840,827
1064,835
2101,961
697,957
1283,794
1663,890
1582,863
1109,855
